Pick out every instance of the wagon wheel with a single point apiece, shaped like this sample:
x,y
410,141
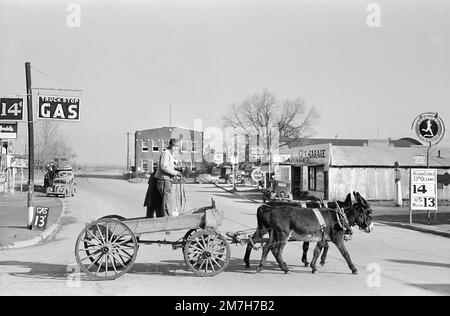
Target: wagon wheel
x,y
96,231
206,253
106,249
186,237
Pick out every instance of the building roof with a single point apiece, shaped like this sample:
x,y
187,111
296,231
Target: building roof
x,y
168,128
387,156
403,142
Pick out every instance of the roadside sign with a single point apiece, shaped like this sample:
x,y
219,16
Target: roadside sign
x,y
59,108
11,109
257,175
40,218
423,190
8,130
429,127
17,162
420,160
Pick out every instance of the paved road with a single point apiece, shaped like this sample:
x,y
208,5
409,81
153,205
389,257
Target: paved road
x,y
409,262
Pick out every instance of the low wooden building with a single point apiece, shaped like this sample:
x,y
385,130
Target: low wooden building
x,y
330,170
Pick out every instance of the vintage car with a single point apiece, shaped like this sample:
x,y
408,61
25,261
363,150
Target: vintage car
x,y
64,186
207,178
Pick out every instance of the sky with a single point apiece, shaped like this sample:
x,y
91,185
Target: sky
x,y
134,58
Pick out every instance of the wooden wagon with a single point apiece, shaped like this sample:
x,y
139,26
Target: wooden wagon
x,y
107,248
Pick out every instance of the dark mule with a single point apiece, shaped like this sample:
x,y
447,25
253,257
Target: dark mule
x,y
308,223
263,215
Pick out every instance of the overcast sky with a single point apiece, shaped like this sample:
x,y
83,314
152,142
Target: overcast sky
x,y
133,58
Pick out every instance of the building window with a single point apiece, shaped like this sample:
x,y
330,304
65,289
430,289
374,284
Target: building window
x,y
145,165
155,146
145,146
184,146
312,178
316,179
194,146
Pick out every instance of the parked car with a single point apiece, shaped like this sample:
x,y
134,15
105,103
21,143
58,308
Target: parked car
x,y
207,178
64,186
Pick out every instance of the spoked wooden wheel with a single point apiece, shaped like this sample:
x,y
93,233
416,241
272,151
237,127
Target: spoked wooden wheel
x,y
100,230
106,249
206,253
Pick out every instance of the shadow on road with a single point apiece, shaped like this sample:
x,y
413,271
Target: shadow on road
x,y
418,218
438,288
43,270
175,268
102,176
422,263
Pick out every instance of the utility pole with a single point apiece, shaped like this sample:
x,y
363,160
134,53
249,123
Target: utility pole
x,y
30,144
128,151
170,114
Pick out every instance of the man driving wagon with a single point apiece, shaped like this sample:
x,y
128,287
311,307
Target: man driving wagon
x,y
159,199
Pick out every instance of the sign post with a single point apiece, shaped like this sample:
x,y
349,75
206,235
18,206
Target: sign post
x,y
430,128
30,144
423,191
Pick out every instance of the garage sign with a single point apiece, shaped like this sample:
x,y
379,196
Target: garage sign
x,y
59,108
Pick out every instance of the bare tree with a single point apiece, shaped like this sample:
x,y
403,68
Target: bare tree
x,y
50,142
262,114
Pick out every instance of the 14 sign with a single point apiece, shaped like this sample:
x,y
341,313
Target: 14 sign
x,y
59,108
11,109
423,189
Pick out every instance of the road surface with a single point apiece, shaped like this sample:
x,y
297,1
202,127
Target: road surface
x,y
391,261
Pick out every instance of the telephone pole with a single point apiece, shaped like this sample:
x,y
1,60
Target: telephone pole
x,y
30,144
170,114
128,151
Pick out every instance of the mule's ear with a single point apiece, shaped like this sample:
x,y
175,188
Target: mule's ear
x,y
348,200
364,202
356,196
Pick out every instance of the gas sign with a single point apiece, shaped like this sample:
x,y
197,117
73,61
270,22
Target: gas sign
x,y
59,108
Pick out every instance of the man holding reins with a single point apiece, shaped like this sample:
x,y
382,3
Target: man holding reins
x,y
165,173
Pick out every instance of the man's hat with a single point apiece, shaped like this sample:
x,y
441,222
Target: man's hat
x,y
173,142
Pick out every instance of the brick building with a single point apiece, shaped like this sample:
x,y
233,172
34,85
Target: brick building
x,y
150,143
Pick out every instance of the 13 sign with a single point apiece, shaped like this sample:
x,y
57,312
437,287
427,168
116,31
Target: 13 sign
x,y
11,109
423,189
40,218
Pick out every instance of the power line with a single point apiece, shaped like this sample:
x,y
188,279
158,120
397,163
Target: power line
x,y
54,78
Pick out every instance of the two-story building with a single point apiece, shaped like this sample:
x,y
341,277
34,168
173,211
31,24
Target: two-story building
x,y
150,143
